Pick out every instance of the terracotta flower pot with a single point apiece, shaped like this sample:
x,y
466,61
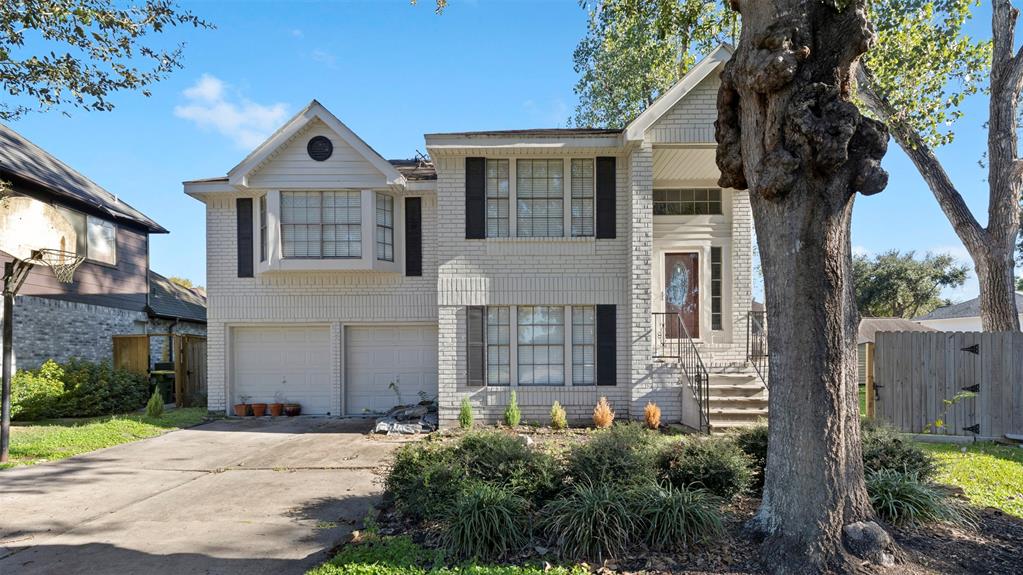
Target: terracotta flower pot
x,y
292,409
276,409
241,409
259,409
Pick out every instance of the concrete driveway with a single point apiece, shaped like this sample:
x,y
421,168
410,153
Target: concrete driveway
x,y
239,496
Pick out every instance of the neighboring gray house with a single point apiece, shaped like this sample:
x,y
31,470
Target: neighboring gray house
x,y
963,316
869,326
563,264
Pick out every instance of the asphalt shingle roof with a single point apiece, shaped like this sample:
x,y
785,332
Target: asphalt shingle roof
x,y
968,308
869,326
170,300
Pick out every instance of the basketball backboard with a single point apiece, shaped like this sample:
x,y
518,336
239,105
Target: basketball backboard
x,y
27,224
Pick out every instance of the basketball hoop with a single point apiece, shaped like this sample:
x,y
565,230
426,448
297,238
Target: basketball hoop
x,y
63,263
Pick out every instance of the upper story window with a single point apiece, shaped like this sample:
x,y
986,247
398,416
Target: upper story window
x,y
498,194
540,197
687,202
582,197
95,238
262,229
385,228
321,224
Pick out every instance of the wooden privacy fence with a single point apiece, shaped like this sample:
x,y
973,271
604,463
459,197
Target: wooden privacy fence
x,y
951,383
131,352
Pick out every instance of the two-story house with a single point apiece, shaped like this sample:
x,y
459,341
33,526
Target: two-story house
x,y
563,264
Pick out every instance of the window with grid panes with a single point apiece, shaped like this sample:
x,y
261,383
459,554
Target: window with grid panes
x,y
321,224
715,288
262,228
540,198
541,345
584,363
498,193
687,202
498,346
582,197
385,227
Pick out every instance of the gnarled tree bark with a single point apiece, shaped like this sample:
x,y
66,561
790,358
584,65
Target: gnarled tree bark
x,y
788,132
991,247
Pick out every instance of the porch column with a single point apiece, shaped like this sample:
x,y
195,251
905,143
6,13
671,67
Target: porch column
x,y
641,238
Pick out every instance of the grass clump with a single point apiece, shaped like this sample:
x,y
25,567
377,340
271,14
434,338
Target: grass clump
x,y
884,448
603,415
465,416
512,414
676,517
624,454
903,498
712,463
591,521
559,419
486,522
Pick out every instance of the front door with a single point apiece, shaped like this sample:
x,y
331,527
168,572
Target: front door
x,y
682,292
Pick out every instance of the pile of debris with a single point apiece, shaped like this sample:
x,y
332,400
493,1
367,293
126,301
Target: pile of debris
x,y
409,419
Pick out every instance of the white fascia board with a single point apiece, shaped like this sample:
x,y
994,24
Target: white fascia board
x,y
636,130
200,190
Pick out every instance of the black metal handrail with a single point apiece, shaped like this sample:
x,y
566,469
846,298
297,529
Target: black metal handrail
x,y
756,343
672,341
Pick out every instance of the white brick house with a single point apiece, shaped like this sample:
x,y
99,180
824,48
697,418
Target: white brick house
x,y
531,260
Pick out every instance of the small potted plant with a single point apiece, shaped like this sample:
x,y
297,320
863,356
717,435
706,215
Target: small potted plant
x,y
292,409
277,407
259,409
242,409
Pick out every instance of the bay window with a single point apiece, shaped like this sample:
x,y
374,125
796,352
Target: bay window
x,y
385,228
321,224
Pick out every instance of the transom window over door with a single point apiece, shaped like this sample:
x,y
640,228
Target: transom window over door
x,y
541,345
682,292
540,198
321,224
687,202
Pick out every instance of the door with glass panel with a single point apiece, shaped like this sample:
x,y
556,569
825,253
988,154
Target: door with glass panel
x,y
682,292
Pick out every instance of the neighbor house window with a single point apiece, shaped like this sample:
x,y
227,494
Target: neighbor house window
x,y
584,362
540,198
498,192
582,197
385,227
687,202
715,288
541,345
95,238
321,224
498,346
262,228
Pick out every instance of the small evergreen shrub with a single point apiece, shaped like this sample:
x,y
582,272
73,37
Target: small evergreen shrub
x,y
424,480
36,394
652,415
154,407
559,419
624,454
712,463
486,522
592,521
753,442
502,459
512,415
674,518
884,448
902,498
603,416
465,417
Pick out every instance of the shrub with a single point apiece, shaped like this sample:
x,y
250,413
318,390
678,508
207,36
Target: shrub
x,y
676,517
603,416
713,463
85,390
154,407
884,448
753,442
593,521
35,394
624,454
512,415
502,459
424,480
559,419
902,498
652,415
486,522
465,414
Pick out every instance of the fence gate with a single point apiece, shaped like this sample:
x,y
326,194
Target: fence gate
x,y
189,370
131,352
950,383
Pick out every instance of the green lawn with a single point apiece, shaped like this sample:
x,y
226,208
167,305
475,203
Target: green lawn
x,y
989,474
39,441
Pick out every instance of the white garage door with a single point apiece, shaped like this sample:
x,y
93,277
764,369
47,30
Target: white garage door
x,y
377,356
292,361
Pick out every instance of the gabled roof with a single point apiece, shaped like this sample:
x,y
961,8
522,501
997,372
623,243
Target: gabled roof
x,y
638,127
315,110
537,132
22,159
869,326
968,308
170,300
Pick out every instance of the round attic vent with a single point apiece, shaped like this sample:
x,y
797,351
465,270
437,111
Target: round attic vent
x,y
319,148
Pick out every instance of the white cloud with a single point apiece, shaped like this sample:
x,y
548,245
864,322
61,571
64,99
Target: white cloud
x,y
297,33
213,105
324,57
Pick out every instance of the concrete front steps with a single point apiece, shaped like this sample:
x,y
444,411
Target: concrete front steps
x,y
737,399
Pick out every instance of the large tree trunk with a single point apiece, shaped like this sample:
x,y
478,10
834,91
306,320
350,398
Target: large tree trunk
x,y
991,248
787,131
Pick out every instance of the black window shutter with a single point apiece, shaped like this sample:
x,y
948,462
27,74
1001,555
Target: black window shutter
x,y
475,352
413,236
607,345
244,209
475,198
606,198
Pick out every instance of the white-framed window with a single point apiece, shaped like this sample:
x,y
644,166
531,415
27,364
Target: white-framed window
x,y
716,291
541,345
540,198
498,194
499,345
321,224
102,239
584,339
262,229
582,197
385,227
687,202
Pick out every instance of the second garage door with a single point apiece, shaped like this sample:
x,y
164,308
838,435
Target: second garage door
x,y
376,357
288,362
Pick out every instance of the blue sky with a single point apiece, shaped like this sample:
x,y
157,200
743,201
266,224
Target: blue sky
x,y
393,72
